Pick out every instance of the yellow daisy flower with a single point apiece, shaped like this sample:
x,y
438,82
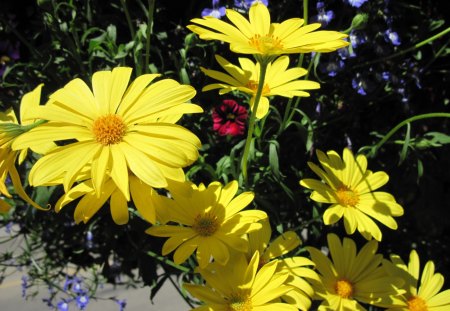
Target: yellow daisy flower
x,y
259,36
279,80
116,128
425,296
212,221
351,277
145,198
241,286
349,186
11,130
296,267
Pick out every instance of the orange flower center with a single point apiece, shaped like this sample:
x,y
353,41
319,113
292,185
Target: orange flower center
x,y
343,288
417,304
253,85
267,44
239,302
109,129
206,224
346,196
231,116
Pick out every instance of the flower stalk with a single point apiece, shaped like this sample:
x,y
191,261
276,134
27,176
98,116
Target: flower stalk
x,y
373,150
263,63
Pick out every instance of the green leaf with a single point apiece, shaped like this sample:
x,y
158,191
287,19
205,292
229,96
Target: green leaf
x,y
273,157
406,143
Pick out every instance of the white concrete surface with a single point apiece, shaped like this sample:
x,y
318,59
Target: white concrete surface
x,y
167,299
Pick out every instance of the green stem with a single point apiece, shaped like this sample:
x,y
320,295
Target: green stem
x,y
412,48
299,64
251,126
305,11
128,17
151,10
167,261
375,148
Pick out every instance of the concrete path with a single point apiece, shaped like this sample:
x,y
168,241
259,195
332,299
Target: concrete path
x,y
167,299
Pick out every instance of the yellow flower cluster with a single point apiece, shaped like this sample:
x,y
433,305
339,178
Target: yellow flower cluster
x,y
118,142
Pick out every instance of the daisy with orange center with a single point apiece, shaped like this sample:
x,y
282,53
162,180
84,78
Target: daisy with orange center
x,y
349,187
351,277
208,220
299,268
279,80
241,286
259,36
425,295
113,130
10,130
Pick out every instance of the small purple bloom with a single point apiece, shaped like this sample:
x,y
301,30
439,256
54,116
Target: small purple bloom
x,y
216,11
320,5
359,85
8,227
334,67
246,4
346,52
386,75
356,3
323,17
357,38
392,36
122,303
63,305
24,285
89,238
8,52
82,301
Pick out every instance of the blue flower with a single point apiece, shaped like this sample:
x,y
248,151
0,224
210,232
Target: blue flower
x,y
216,11
24,285
323,17
82,301
63,305
334,67
89,238
385,75
359,85
346,53
246,4
357,38
356,3
392,36
8,52
122,303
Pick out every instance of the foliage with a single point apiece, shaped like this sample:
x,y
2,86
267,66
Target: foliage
x,y
385,96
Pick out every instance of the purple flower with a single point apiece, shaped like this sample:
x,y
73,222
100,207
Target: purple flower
x,y
8,52
216,11
24,285
357,38
333,68
246,4
359,85
386,75
392,36
356,3
63,305
122,303
82,301
89,238
323,17
346,52
8,227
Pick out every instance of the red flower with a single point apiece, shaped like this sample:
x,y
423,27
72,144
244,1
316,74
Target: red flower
x,y
229,118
